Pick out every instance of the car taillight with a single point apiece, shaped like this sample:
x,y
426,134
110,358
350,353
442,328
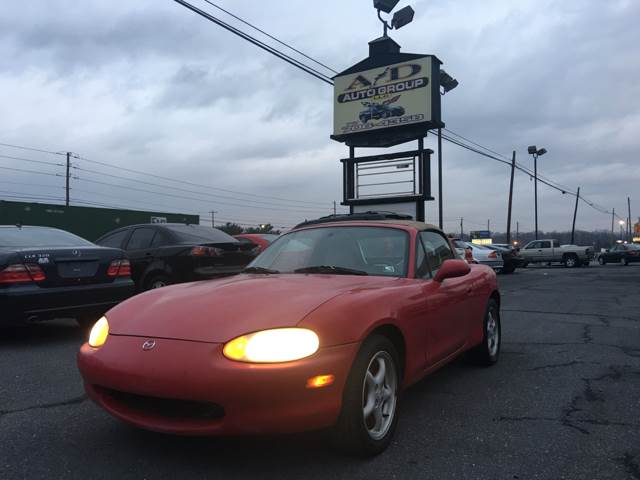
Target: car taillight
x,y
468,255
205,252
20,273
119,268
493,255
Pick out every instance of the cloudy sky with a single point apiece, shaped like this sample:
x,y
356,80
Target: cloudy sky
x,y
150,86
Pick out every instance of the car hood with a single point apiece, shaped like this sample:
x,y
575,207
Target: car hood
x,y
218,310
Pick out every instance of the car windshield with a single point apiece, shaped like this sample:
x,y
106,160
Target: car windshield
x,y
200,234
459,244
40,237
633,246
339,250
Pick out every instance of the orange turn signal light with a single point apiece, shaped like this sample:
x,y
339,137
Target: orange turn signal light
x,y
320,381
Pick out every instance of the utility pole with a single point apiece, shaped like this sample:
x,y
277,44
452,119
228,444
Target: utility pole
x,y
613,217
334,207
517,231
68,177
575,212
535,188
629,222
213,222
440,220
461,228
489,225
513,167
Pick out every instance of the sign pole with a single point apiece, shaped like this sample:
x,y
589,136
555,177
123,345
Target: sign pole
x,y
440,219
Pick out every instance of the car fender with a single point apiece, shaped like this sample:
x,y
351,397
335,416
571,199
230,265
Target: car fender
x,y
352,316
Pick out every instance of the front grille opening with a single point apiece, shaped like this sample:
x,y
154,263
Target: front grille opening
x,y
165,407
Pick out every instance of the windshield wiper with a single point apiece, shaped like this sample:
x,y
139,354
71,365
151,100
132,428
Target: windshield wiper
x,y
332,269
259,270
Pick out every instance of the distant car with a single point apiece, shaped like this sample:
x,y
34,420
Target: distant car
x,y
376,111
325,329
510,257
462,249
259,240
621,253
486,256
166,253
549,251
46,273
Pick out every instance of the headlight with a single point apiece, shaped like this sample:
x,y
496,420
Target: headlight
x,y
272,346
99,333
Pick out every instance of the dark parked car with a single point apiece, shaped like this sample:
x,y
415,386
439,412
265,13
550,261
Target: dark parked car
x,y
162,254
46,273
621,253
510,256
260,241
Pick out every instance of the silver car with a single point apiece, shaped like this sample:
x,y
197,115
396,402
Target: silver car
x,y
486,256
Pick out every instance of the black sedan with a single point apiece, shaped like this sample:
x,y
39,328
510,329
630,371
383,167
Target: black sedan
x,y
46,273
510,256
623,253
162,254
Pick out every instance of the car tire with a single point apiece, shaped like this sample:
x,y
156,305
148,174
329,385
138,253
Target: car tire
x,y
488,351
156,281
509,269
602,261
364,428
524,265
571,261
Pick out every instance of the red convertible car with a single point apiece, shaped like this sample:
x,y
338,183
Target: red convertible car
x,y
324,329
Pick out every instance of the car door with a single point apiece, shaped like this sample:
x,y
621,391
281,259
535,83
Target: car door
x,y
446,318
545,252
613,255
139,251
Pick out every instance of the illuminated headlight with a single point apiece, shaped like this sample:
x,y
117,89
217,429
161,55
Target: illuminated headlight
x,y
272,346
99,333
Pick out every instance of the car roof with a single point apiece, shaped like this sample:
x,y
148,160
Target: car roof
x,y
385,223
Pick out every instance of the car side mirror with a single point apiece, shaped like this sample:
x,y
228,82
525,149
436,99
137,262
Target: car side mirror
x,y
452,269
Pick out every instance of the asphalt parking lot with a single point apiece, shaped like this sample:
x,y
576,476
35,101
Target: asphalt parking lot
x,y
562,403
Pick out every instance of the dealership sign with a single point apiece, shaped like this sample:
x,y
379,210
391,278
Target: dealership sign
x,y
387,104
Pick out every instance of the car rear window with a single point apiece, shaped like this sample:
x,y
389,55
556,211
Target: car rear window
x,y
200,234
40,237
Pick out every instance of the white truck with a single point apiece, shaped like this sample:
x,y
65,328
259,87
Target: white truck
x,y
550,251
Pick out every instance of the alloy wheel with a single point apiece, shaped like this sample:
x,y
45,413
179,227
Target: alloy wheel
x,y
492,334
379,395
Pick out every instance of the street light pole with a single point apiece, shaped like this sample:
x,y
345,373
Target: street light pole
x,y
513,167
533,150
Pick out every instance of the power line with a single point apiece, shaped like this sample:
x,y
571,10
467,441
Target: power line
x,y
30,160
31,149
258,43
258,203
184,182
148,174
270,36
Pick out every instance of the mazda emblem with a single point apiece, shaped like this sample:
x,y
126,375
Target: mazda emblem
x,y
148,345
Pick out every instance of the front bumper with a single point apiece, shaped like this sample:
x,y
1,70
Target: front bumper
x,y
239,398
22,303
495,264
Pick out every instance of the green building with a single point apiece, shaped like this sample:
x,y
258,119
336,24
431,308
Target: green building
x,y
87,222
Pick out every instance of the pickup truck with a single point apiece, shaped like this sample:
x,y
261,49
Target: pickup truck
x,y
550,251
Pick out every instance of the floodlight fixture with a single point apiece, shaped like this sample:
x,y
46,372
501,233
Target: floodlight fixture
x,y
447,82
402,17
532,149
542,151
385,5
